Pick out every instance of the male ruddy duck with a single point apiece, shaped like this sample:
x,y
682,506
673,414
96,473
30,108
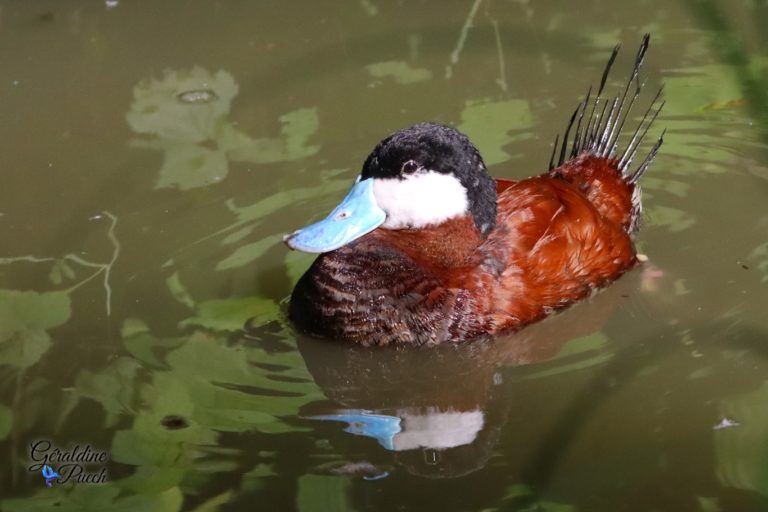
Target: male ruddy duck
x,y
428,248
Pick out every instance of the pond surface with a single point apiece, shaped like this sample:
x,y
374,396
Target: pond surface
x,y
152,156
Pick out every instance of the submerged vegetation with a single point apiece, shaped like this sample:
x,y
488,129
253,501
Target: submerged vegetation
x,y
141,296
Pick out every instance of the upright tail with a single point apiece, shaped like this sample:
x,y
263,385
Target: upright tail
x,y
595,161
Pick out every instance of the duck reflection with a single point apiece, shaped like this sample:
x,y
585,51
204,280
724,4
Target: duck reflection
x,y
435,410
440,411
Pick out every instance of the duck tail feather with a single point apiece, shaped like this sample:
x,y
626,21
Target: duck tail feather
x,y
600,131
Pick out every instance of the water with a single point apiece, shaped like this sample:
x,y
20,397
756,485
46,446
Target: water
x,y
153,155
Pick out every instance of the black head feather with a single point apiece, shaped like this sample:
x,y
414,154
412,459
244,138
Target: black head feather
x,y
441,149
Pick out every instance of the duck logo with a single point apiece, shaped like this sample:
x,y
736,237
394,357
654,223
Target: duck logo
x,y
50,475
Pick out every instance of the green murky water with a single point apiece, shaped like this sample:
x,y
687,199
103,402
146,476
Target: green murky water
x,y
152,155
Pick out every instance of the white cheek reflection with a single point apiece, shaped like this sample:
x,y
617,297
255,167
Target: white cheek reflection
x,y
437,429
421,199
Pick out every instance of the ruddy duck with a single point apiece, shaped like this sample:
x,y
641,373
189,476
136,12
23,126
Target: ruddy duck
x,y
428,248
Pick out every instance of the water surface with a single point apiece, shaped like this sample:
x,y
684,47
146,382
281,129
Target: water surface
x,y
153,154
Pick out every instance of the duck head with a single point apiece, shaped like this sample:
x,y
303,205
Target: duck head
x,y
418,177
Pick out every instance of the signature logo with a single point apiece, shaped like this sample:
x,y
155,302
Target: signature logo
x,y
81,464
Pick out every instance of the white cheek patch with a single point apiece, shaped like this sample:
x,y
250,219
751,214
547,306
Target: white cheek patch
x,y
421,199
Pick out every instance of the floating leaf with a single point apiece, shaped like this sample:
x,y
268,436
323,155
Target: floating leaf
x,y
94,498
399,70
323,493
240,367
207,387
227,410
488,124
248,216
708,150
577,354
167,501
59,271
261,470
27,310
132,327
25,349
603,39
55,274
518,491
674,187
330,184
114,387
253,480
249,253
594,341
149,444
187,166
232,314
178,290
691,90
213,504
240,146
24,318
297,128
700,114
168,395
144,347
139,342
76,498
214,385
237,235
157,110
709,504
152,479
212,361
673,219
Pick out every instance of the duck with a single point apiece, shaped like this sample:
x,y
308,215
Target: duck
x,y
427,248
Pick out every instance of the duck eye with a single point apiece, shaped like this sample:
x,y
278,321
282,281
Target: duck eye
x,y
410,167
